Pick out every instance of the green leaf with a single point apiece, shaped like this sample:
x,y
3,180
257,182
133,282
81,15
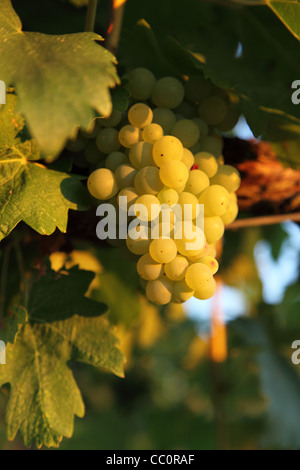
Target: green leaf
x,y
288,11
13,324
44,396
60,80
29,191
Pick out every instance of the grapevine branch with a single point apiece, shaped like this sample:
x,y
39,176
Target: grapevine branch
x,y
91,16
114,31
265,220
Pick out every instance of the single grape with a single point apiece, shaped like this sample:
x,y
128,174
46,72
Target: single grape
x,y
211,145
203,127
149,269
168,196
107,140
174,174
230,120
207,163
186,109
175,269
232,211
165,118
187,132
151,207
213,229
211,262
189,239
113,120
166,149
188,158
140,155
129,135
213,110
131,195
187,207
181,291
152,133
160,290
140,115
115,159
147,180
198,276
125,175
139,246
163,250
102,184
197,182
215,199
167,92
207,292
141,83
227,176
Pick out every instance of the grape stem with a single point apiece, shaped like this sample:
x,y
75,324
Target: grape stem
x,y
91,16
114,33
264,220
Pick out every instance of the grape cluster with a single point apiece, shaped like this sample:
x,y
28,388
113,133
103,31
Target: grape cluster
x,y
167,152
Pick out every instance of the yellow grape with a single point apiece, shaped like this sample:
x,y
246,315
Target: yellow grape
x,y
198,276
197,182
207,163
125,175
181,291
152,132
138,246
206,292
175,269
151,207
227,176
102,184
163,250
191,211
215,199
188,158
160,290
149,269
140,115
147,180
231,213
166,149
185,235
211,262
129,135
174,174
213,229
168,196
131,195
140,155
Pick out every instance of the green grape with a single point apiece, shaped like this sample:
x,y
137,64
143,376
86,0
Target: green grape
x,y
211,145
166,149
189,240
168,196
92,131
174,174
147,180
115,159
151,207
92,154
152,133
113,120
203,127
138,246
211,262
186,109
230,120
213,110
197,88
227,176
215,199
188,158
102,184
129,135
196,148
187,132
206,292
78,144
198,276
140,115
107,140
160,290
181,291
131,195
191,211
175,269
141,83
163,250
165,118
207,163
167,92
213,229
149,269
140,155
125,175
197,182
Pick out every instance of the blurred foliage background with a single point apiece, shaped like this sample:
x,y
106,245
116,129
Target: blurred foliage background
x,y
216,374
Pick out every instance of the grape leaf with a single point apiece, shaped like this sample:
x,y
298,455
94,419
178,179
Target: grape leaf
x,y
29,191
12,325
288,11
61,80
44,396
